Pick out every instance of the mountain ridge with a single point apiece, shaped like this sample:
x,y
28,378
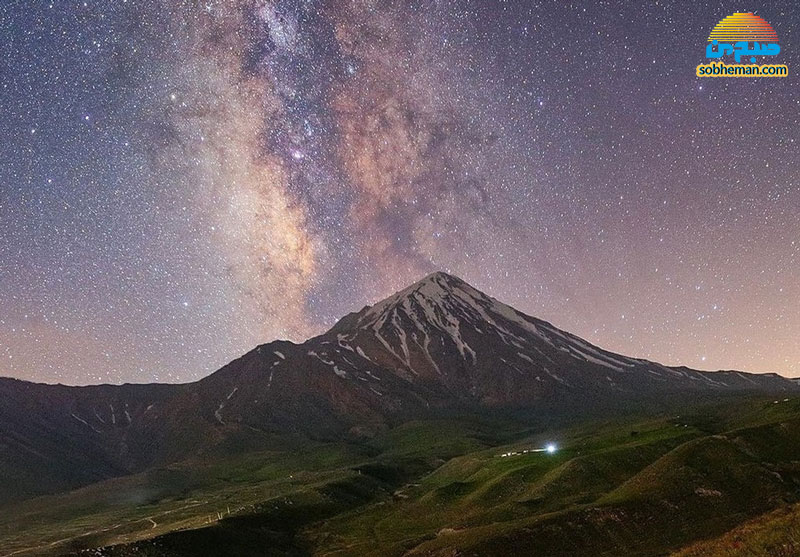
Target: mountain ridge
x,y
439,345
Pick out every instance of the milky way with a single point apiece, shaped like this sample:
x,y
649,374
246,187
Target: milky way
x,y
180,181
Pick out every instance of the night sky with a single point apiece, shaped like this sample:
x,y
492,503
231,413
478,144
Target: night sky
x,y
180,181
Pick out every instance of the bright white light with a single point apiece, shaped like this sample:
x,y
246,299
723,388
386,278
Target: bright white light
x,y
551,448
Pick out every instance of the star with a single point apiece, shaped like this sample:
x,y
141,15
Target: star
x,y
269,167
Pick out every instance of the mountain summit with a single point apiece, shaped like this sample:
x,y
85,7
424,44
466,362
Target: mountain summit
x,y
446,335
437,346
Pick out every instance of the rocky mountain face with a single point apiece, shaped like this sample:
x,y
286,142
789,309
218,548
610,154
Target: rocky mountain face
x,y
437,346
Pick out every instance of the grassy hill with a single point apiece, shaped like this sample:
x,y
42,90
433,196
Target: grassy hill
x,y
632,485
774,534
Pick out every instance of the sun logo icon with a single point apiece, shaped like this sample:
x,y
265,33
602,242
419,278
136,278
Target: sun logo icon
x,y
750,40
735,33
743,26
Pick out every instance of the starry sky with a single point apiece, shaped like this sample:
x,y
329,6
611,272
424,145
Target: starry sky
x,y
182,180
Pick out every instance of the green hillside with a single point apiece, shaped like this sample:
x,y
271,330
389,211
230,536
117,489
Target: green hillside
x,y
633,485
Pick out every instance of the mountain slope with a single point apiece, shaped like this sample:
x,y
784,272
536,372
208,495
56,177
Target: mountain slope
x,y
437,346
631,485
440,343
441,332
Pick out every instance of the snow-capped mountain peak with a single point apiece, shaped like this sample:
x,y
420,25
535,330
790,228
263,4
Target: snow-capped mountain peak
x,y
441,329
438,346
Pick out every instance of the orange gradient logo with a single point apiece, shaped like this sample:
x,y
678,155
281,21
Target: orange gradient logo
x,y
742,35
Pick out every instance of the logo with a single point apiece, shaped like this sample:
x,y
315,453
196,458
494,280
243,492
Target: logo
x,y
747,36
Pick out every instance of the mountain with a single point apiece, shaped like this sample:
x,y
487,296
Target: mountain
x,y
438,346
